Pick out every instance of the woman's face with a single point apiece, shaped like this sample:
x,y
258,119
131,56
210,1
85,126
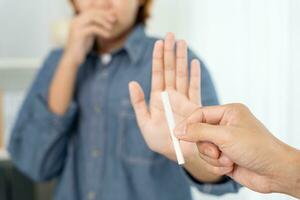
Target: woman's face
x,y
124,11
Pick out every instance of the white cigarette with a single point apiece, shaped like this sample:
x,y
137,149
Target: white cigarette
x,y
171,123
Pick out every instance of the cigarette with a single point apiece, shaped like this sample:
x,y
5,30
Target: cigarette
x,y
171,124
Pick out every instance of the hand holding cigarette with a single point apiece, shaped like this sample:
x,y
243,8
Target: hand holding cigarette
x,y
262,162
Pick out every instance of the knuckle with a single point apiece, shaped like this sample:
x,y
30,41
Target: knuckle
x,y
181,43
157,71
240,106
181,73
237,110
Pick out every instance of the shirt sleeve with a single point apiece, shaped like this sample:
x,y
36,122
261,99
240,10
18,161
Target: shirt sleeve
x,y
226,185
209,98
39,138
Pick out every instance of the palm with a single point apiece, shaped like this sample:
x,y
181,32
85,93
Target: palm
x,y
156,130
169,73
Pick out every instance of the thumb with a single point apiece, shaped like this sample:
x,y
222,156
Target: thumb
x,y
201,132
138,102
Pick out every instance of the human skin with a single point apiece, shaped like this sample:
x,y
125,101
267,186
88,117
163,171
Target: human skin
x,y
261,161
105,23
170,73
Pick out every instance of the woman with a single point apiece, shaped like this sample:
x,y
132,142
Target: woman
x,y
77,124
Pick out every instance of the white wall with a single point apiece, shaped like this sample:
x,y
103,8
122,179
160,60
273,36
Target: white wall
x,y
25,26
252,48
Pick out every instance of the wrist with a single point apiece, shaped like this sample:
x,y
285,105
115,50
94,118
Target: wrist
x,y
288,179
71,60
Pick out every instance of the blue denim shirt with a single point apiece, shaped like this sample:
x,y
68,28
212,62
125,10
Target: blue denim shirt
x,y
96,150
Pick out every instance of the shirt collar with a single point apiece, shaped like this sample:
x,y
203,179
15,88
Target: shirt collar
x,y
135,45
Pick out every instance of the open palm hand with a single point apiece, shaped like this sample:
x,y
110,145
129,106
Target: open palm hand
x,y
169,73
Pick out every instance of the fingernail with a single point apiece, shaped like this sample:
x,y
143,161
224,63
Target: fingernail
x,y
208,152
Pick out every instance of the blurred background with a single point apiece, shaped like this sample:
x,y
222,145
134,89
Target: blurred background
x,y
252,49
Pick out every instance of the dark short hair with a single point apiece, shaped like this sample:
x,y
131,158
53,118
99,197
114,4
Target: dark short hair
x,y
143,12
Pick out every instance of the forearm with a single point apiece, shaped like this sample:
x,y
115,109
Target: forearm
x,y
196,168
288,180
62,86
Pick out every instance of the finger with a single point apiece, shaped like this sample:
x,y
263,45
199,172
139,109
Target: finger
x,y
217,170
139,104
210,115
200,132
157,67
94,30
209,149
195,83
181,67
104,19
101,22
224,160
169,61
107,15
101,13
221,170
213,162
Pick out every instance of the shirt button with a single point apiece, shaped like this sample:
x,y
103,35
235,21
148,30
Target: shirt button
x,y
91,195
95,153
106,58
